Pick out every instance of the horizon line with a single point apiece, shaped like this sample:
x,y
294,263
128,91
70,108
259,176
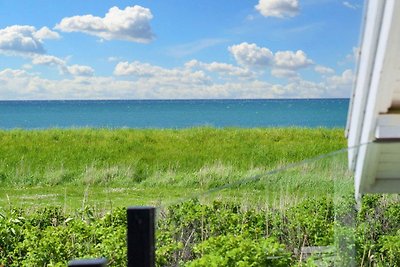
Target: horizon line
x,y
176,99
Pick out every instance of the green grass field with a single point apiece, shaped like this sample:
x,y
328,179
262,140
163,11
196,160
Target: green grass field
x,y
223,196
106,168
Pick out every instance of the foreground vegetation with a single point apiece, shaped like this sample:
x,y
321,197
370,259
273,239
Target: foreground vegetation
x,y
225,197
215,234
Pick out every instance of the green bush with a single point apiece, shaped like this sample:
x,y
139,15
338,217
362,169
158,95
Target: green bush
x,y
389,252
231,250
215,234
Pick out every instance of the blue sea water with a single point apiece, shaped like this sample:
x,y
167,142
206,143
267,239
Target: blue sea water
x,y
174,113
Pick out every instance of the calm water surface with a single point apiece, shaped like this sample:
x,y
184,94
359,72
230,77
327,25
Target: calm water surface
x,y
174,113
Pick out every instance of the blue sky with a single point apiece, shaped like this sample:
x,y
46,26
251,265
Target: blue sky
x,y
178,49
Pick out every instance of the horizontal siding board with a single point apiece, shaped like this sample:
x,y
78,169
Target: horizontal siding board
x,y
389,166
384,186
389,157
388,174
390,148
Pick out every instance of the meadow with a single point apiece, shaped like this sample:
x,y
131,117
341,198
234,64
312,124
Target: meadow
x,y
225,197
130,167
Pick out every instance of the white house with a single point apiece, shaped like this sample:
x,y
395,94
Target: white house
x,y
373,124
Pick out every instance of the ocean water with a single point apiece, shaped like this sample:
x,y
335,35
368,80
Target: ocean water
x,y
174,113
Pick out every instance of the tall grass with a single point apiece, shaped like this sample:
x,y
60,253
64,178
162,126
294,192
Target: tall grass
x,y
114,167
127,156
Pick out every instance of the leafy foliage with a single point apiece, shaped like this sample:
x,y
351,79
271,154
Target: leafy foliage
x,y
231,250
215,234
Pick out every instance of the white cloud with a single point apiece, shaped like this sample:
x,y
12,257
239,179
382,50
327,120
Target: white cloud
x,y
80,70
19,84
27,66
323,70
16,84
284,73
350,5
11,73
251,55
46,33
148,73
223,69
169,83
130,24
346,78
278,8
292,60
284,64
24,39
28,42
303,89
137,68
340,85
75,70
47,60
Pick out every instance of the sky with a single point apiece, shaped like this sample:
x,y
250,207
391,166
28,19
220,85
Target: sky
x,y
178,49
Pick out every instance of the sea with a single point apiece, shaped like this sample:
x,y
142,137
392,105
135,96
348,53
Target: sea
x,y
330,113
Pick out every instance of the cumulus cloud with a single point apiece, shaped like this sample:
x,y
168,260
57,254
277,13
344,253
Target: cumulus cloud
x,y
282,63
340,85
46,33
346,78
251,55
75,70
130,24
20,84
292,60
27,66
137,68
278,8
47,60
80,70
286,63
28,42
284,73
24,39
221,68
323,70
154,82
171,77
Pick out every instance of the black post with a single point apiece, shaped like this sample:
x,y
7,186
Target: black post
x,y
141,248
88,263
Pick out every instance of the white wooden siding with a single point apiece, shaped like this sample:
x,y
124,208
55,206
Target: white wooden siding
x,y
374,114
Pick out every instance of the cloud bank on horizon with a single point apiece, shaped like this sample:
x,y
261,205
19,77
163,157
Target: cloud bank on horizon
x,y
166,50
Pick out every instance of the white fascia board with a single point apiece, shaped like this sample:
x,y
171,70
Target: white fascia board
x,y
371,31
391,66
367,158
376,90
